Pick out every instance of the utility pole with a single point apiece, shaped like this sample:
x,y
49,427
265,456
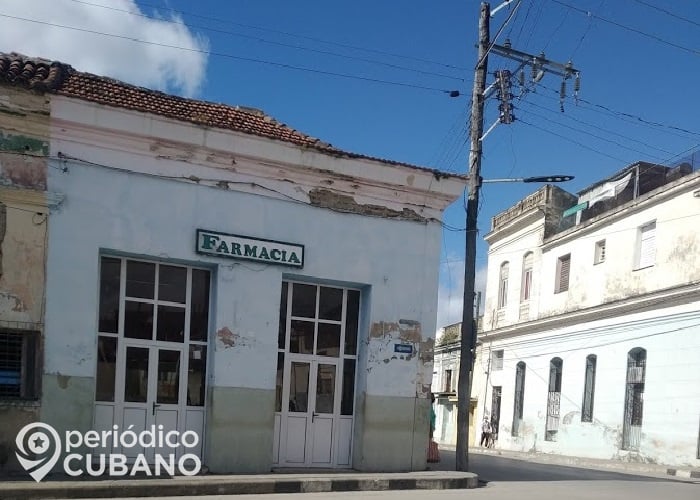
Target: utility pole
x,y
468,324
540,65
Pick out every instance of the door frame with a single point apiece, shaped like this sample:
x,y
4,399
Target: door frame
x,y
118,404
310,414
281,416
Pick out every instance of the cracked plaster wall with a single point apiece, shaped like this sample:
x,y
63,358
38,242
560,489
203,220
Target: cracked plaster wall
x,y
395,263
671,410
24,130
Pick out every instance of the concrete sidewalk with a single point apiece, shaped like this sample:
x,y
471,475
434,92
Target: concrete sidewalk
x,y
238,484
630,467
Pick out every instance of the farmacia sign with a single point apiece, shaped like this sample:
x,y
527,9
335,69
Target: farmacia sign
x,y
247,248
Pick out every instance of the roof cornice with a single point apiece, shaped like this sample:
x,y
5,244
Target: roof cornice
x,y
249,163
668,297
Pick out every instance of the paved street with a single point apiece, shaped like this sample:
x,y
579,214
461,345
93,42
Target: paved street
x,y
506,478
494,468
520,490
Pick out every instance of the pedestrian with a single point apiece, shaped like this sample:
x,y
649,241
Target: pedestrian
x,y
433,451
485,432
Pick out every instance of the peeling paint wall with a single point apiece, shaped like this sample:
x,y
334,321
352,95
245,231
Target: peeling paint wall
x,y
24,131
671,407
328,198
392,257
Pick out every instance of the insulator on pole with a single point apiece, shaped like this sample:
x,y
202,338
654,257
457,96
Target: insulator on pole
x,y
522,78
577,82
562,90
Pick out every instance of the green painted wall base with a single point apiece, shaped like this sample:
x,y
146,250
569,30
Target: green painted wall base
x,y
67,403
240,427
394,435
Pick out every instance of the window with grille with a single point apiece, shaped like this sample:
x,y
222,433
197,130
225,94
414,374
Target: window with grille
x,y
554,399
503,286
18,365
599,255
562,279
646,251
497,360
519,399
589,389
526,287
634,399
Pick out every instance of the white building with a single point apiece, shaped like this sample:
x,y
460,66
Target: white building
x,y
211,269
591,333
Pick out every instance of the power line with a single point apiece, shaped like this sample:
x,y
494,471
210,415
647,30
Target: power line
x,y
628,28
556,30
296,35
571,140
599,137
239,58
668,12
281,44
613,342
585,32
628,117
572,118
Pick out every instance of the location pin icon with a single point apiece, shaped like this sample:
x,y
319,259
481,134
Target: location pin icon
x,y
38,449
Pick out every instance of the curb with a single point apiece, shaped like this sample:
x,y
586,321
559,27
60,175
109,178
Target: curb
x,y
687,473
597,464
231,485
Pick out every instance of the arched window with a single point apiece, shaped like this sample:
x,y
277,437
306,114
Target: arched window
x,y
519,398
634,398
503,286
553,399
526,287
589,389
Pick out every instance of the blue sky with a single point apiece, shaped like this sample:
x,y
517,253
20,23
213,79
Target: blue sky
x,y
639,69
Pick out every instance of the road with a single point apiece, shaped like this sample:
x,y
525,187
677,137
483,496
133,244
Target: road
x,y
506,478
493,468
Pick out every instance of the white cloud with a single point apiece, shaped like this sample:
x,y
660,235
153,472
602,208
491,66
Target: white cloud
x,y
451,291
163,68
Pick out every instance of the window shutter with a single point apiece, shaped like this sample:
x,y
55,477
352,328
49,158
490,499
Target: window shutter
x,y
526,287
564,267
647,248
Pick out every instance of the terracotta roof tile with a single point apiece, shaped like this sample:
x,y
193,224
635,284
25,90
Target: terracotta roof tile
x,y
42,75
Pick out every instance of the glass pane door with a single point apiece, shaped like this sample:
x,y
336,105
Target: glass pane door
x,y
325,389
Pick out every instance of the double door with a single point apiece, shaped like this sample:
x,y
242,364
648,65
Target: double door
x,y
151,353
310,419
154,394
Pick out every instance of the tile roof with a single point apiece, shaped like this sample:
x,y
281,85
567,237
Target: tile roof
x,y
43,75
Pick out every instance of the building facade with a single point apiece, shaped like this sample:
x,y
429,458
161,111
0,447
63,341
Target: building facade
x,y
210,269
444,388
24,208
592,320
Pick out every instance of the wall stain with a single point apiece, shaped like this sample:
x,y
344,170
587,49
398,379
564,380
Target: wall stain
x,y
227,337
63,380
380,329
325,198
9,301
23,171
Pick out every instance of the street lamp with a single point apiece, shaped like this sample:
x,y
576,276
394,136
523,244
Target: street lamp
x,y
544,178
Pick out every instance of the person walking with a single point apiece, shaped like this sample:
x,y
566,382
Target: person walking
x,y
485,432
433,451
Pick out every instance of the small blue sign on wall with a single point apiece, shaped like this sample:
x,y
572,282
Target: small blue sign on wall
x,y
403,348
